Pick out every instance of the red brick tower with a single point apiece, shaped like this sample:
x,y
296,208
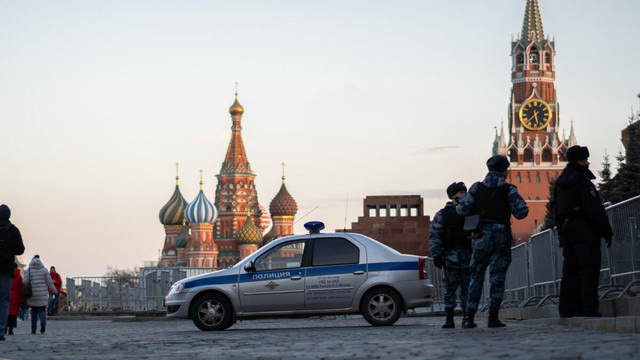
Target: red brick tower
x,y
532,142
236,192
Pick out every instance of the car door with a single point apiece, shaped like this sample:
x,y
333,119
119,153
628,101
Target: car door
x,y
277,281
337,269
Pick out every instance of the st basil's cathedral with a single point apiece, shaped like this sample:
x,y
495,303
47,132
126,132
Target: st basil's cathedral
x,y
204,234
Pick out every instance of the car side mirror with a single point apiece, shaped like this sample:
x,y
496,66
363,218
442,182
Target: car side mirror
x,y
250,267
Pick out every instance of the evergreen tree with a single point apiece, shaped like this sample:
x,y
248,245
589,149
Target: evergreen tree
x,y
627,180
606,187
549,220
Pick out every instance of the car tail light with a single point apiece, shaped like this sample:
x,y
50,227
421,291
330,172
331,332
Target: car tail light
x,y
422,268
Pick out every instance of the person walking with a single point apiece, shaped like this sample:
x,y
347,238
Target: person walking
x,y
495,201
39,278
54,299
10,245
582,223
451,251
17,299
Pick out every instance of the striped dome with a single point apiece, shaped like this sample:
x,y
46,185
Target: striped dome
x,y
249,233
283,204
201,210
265,218
172,213
182,240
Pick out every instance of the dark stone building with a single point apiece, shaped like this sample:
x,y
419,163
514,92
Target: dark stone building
x,y
396,221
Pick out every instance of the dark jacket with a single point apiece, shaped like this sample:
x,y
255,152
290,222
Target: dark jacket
x,y
10,246
578,209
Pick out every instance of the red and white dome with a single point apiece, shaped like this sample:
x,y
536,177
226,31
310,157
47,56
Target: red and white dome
x,y
265,219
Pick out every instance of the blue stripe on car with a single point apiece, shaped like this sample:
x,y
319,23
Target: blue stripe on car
x,y
311,271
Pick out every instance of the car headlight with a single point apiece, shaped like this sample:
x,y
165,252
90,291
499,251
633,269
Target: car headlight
x,y
176,288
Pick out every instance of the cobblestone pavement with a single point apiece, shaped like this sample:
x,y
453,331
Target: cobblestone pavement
x,y
330,338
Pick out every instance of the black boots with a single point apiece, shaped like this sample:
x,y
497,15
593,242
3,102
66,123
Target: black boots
x,y
448,323
470,316
493,318
10,330
42,329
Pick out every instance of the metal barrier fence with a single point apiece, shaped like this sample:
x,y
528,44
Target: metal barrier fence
x,y
536,268
135,293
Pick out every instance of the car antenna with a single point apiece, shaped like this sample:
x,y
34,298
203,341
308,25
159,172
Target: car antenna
x,y
310,211
346,208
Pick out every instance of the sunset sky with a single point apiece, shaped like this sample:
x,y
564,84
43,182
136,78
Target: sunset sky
x,y
100,99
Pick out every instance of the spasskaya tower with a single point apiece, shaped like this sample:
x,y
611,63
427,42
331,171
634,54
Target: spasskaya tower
x,y
532,141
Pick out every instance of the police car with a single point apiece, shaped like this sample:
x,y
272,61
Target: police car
x,y
311,274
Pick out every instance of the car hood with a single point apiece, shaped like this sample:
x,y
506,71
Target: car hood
x,y
222,276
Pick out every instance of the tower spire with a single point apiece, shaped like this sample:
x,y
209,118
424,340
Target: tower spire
x,y
201,179
283,165
177,177
532,23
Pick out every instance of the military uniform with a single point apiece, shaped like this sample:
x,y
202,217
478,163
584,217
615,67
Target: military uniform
x,y
448,240
581,222
493,247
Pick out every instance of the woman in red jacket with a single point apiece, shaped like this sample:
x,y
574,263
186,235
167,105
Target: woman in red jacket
x,y
17,298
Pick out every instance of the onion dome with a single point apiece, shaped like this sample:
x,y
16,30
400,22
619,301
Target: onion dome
x,y
236,108
265,218
182,240
249,233
172,213
283,204
201,210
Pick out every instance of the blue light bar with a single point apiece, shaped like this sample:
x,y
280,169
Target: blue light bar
x,y
314,227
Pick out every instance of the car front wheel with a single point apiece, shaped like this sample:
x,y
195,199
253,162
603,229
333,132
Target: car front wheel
x,y
211,312
381,307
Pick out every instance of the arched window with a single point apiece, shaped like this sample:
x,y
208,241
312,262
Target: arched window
x,y
518,179
528,155
537,180
512,154
547,58
519,59
534,56
547,156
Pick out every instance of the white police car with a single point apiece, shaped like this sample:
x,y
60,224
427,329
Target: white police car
x,y
311,274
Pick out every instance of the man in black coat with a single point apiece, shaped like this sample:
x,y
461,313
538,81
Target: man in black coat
x,y
582,223
10,246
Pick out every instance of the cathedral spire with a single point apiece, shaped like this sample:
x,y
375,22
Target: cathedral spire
x,y
572,136
532,23
236,158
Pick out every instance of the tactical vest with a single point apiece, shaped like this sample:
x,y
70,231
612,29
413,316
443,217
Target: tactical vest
x,y
454,237
496,208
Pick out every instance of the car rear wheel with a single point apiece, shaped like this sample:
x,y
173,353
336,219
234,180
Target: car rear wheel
x,y
381,307
211,312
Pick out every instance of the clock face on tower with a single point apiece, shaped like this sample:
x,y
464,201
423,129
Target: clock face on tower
x,y
535,114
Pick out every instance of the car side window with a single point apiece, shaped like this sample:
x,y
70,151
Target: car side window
x,y
334,251
284,256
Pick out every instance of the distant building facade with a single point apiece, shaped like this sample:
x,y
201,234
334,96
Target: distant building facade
x,y
396,221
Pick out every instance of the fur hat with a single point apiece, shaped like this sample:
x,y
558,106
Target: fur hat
x,y
5,212
498,163
577,153
455,188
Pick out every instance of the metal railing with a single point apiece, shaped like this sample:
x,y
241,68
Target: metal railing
x,y
542,263
127,293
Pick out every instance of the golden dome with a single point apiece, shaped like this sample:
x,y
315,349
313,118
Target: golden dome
x,y
236,108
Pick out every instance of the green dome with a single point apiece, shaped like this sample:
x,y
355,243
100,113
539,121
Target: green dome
x,y
249,233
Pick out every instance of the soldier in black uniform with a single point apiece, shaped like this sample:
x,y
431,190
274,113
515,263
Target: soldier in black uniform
x,y
451,251
581,222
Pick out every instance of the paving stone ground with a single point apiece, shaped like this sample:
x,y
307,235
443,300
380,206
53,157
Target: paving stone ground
x,y
328,338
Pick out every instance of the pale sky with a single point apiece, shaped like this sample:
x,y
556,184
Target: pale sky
x,y
99,100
